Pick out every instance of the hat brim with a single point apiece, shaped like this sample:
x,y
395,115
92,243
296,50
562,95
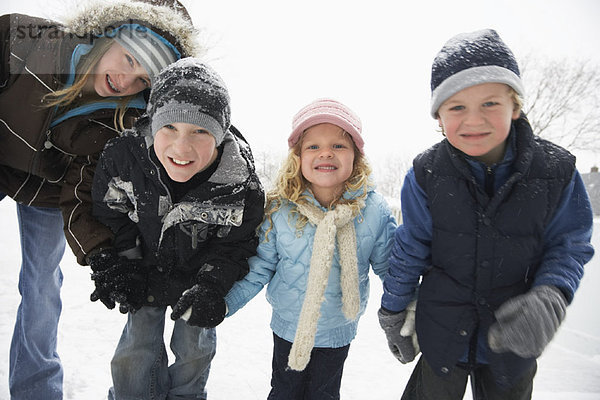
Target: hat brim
x,y
471,77
326,119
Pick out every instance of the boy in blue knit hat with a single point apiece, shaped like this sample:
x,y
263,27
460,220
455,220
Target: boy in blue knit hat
x,y
496,231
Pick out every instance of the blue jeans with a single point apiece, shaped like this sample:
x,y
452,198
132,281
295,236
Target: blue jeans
x,y
35,368
140,369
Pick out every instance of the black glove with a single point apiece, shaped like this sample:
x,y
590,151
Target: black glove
x,y
207,305
399,329
118,279
101,261
526,323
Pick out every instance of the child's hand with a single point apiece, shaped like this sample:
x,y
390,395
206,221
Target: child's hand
x,y
129,285
117,279
207,306
526,323
102,294
101,261
400,332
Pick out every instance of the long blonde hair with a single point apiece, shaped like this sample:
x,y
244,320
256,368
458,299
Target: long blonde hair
x,y
290,185
72,95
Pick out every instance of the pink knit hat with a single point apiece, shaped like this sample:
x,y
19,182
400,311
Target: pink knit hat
x,y
327,111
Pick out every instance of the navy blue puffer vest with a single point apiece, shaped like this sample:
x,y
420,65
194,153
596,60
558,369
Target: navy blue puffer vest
x,y
484,250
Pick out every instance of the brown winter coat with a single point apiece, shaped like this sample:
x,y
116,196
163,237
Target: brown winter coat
x,y
54,167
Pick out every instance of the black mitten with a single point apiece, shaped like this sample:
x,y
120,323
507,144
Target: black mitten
x,y
118,279
207,305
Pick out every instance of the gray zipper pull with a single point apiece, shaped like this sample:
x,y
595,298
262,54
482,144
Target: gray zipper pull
x,y
48,143
194,236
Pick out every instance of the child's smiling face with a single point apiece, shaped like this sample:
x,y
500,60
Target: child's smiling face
x,y
327,160
477,120
184,150
119,74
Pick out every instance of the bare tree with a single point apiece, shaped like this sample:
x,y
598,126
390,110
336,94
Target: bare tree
x,y
267,165
562,100
389,174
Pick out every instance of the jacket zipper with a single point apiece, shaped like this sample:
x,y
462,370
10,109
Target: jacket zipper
x,y
160,181
489,181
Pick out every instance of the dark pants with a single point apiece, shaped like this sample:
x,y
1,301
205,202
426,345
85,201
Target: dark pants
x,y
424,384
320,380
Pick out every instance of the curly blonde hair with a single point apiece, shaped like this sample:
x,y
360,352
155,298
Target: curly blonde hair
x,y
290,185
73,95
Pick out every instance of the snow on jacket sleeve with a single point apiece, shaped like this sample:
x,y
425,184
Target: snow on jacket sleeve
x,y
567,246
262,269
228,256
411,249
113,215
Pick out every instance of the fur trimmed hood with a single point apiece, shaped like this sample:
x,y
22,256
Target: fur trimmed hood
x,y
169,20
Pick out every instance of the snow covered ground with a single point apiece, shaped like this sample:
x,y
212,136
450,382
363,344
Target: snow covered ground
x,y
568,370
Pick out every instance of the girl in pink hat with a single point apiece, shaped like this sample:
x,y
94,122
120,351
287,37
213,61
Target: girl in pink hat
x,y
324,226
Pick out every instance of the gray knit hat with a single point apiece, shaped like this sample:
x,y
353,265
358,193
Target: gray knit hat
x,y
469,59
191,92
150,49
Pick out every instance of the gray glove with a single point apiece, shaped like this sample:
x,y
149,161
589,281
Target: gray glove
x,y
526,323
399,329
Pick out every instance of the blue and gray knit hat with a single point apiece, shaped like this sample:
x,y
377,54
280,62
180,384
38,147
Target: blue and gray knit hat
x,y
469,59
190,91
149,48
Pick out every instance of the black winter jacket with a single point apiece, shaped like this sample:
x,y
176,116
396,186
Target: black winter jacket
x,y
208,235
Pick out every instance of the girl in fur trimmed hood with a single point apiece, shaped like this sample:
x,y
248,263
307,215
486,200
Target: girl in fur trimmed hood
x,y
65,89
324,225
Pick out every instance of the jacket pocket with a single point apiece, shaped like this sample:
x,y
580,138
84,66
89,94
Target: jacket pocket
x,y
54,163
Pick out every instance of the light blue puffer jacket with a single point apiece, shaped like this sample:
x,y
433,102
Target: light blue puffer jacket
x,y
283,263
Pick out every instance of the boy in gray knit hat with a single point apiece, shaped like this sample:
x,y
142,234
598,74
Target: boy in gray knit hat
x,y
181,195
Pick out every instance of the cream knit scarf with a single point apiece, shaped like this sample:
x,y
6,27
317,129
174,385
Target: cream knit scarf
x,y
336,223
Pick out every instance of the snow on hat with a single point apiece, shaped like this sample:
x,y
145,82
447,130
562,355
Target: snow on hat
x,y
150,49
191,92
327,111
469,59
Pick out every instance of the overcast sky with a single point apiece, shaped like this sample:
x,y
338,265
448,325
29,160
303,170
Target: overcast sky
x,y
375,56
